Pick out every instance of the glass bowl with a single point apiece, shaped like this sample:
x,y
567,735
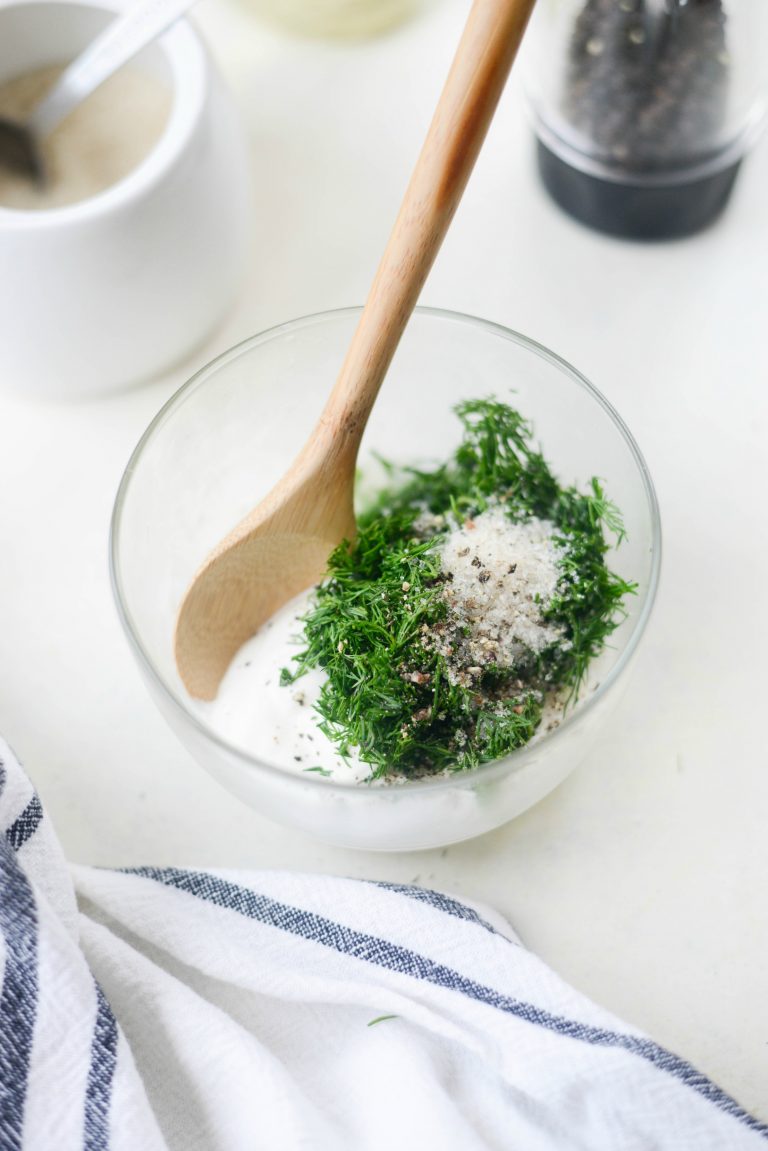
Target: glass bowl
x,y
228,434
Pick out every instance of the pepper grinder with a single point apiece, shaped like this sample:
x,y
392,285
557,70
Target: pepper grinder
x,y
645,109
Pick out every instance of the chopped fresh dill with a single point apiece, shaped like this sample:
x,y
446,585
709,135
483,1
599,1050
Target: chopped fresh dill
x,y
383,627
380,1019
319,770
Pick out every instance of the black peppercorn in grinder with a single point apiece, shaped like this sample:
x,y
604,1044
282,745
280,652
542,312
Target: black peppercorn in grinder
x,y
644,109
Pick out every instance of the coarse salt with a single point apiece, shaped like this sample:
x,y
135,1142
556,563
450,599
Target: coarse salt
x,y
500,576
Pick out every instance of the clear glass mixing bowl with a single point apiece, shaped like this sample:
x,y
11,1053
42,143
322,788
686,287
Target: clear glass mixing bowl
x,y
228,434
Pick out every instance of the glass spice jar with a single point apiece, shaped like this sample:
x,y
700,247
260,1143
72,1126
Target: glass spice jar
x,y
338,19
644,109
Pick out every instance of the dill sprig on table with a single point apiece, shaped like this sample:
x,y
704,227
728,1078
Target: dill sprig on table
x,y
389,693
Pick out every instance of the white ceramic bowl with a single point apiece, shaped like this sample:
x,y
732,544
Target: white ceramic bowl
x,y
223,440
113,289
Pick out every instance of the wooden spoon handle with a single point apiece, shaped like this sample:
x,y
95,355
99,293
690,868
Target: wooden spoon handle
x,y
475,82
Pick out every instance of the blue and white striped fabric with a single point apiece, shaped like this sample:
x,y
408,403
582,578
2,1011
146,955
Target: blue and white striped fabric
x,y
167,1008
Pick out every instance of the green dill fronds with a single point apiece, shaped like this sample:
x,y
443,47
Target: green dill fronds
x,y
389,691
605,511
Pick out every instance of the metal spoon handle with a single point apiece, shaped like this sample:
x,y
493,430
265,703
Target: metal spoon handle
x,y
117,44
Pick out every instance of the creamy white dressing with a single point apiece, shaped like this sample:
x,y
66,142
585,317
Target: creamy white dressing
x,y
274,723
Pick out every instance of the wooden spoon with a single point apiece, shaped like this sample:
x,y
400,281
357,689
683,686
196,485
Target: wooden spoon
x,y
282,546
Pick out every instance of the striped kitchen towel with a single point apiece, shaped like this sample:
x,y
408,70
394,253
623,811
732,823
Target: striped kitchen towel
x,y
168,1008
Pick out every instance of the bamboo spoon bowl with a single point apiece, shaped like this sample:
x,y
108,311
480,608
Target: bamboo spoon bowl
x,y
310,510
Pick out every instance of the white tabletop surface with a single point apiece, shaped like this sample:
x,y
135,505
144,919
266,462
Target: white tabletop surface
x,y
642,879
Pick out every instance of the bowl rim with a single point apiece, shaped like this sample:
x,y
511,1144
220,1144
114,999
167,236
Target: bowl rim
x,y
190,81
485,772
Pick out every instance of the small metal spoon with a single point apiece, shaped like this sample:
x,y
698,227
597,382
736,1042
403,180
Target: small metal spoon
x,y
115,46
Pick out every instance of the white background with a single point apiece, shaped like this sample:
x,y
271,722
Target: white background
x,y
642,880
